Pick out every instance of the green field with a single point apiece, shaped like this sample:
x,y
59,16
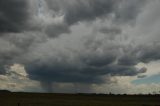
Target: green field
x,y
33,99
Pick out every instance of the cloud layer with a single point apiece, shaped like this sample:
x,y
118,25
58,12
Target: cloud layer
x,y
13,15
84,41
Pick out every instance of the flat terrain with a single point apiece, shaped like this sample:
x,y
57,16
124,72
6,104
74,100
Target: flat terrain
x,y
33,99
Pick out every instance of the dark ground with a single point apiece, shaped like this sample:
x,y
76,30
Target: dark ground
x,y
33,99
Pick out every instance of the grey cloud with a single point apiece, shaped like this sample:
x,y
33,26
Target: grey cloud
x,y
83,10
6,52
147,53
99,60
112,30
15,45
128,60
141,76
86,74
97,54
56,30
129,57
123,11
122,70
89,10
143,70
13,15
141,53
66,64
128,10
73,59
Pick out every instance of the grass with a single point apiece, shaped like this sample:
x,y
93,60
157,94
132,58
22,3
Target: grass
x,y
41,99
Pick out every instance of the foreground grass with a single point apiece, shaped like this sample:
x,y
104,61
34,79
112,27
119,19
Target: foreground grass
x,y
33,99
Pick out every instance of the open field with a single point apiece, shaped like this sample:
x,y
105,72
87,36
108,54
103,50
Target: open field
x,y
33,99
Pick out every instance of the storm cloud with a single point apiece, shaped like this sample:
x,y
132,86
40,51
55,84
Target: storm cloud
x,y
13,15
75,41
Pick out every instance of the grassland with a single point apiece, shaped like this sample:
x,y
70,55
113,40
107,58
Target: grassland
x,y
33,99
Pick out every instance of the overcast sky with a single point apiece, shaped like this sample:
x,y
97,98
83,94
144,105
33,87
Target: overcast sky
x,y
72,46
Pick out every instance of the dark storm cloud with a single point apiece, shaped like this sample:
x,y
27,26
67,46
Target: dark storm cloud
x,y
85,74
123,11
56,30
13,15
128,10
129,57
89,10
128,60
150,52
97,58
14,45
83,10
89,67
142,53
72,59
111,30
119,11
7,52
75,11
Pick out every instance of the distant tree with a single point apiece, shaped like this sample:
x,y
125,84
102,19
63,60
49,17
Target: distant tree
x,y
4,91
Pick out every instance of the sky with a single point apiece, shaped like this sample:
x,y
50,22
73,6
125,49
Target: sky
x,y
80,46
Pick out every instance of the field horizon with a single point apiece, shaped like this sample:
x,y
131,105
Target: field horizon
x,y
79,99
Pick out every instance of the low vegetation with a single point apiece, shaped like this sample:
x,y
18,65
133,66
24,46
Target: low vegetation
x,y
42,99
